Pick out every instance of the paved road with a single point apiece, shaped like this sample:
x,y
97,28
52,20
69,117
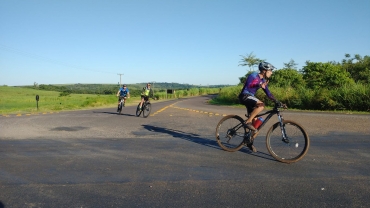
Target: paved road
x,y
96,158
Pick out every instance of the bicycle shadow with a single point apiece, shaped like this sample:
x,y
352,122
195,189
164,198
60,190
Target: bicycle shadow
x,y
258,154
183,135
114,113
202,141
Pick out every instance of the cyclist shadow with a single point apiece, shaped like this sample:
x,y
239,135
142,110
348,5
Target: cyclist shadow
x,y
183,135
115,113
258,154
125,114
202,141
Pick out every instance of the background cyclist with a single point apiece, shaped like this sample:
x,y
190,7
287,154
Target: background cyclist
x,y
124,93
145,94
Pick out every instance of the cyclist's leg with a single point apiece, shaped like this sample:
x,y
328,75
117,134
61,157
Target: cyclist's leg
x,y
259,106
142,101
119,100
253,105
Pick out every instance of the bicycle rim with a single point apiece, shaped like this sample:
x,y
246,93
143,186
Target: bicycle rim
x,y
120,108
138,112
287,151
146,110
230,133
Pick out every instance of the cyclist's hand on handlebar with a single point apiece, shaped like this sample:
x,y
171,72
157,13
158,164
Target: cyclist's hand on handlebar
x,y
280,104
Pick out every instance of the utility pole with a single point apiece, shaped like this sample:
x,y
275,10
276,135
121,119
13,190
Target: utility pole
x,y
120,83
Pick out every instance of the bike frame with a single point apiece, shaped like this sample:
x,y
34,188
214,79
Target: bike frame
x,y
122,99
144,104
269,114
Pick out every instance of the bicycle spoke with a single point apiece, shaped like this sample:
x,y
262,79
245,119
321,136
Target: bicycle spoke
x,y
146,110
230,133
290,148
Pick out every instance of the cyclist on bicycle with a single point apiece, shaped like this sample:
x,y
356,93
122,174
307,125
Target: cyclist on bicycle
x,y
145,94
124,93
247,97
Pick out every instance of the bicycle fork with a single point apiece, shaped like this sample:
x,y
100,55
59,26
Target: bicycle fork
x,y
282,128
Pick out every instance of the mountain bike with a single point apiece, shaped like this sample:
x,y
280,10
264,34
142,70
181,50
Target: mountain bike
x,y
145,109
121,104
286,140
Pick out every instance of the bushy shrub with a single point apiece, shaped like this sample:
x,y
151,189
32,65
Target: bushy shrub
x,y
354,97
64,93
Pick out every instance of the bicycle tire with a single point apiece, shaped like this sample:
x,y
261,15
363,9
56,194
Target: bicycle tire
x,y
138,111
146,109
230,133
287,151
120,108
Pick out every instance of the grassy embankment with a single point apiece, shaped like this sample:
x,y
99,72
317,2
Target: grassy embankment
x,y
14,100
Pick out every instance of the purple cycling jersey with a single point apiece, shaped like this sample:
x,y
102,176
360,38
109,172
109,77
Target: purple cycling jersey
x,y
253,83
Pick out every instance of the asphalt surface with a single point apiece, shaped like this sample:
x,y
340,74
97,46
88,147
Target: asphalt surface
x,y
97,158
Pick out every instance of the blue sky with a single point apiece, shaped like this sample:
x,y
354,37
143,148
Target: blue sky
x,y
195,41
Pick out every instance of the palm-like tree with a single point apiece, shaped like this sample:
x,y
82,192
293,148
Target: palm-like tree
x,y
250,60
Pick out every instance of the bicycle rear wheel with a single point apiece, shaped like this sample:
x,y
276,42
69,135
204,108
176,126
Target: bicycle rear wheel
x,y
291,149
146,109
138,111
230,133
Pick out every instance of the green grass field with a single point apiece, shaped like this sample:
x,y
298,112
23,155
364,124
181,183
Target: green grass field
x,y
22,100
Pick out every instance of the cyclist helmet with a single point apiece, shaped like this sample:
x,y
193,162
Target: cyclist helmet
x,y
124,85
265,66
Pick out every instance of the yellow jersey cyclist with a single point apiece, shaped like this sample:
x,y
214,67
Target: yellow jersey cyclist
x,y
145,94
124,93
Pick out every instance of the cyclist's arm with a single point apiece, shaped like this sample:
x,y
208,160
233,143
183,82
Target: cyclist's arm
x,y
151,94
269,94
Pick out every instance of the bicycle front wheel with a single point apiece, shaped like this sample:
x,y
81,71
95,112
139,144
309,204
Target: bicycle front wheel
x,y
230,133
290,149
138,111
146,110
120,108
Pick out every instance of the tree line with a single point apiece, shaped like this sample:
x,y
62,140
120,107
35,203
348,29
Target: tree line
x,y
112,89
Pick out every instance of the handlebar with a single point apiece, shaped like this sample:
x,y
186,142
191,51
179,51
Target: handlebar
x,y
279,104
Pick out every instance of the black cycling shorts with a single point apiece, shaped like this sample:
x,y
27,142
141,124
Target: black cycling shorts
x,y
249,101
146,98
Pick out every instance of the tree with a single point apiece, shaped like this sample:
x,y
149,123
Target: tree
x,y
358,67
291,64
250,60
287,77
325,75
